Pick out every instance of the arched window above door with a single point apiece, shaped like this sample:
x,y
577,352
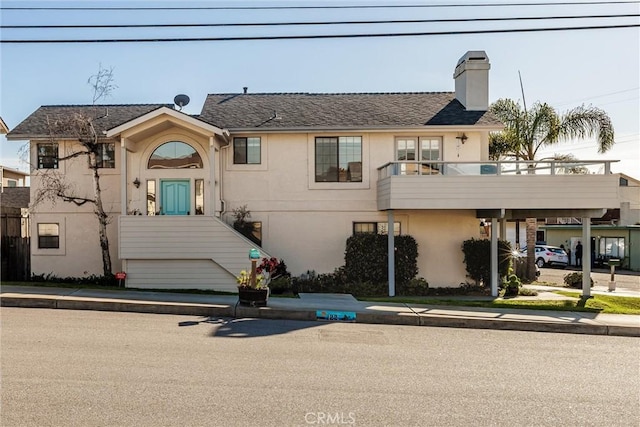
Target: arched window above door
x,y
175,155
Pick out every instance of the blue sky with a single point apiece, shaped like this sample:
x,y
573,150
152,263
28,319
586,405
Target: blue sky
x,y
565,69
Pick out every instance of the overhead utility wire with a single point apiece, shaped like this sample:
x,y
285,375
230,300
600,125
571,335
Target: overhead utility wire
x,y
321,36
392,6
269,24
560,103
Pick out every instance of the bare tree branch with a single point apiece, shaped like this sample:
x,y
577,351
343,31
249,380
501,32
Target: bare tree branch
x,y
80,127
102,83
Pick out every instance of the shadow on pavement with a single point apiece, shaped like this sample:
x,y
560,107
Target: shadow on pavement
x,y
227,327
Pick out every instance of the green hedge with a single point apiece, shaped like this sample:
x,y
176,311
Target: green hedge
x,y
87,280
366,258
477,257
337,282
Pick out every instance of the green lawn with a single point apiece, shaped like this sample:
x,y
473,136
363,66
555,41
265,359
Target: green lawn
x,y
596,304
608,303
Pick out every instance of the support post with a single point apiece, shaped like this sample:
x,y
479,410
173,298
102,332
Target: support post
x,y
494,258
586,258
391,265
123,176
253,277
210,205
612,282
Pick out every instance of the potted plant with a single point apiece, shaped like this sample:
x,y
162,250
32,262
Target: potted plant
x,y
250,294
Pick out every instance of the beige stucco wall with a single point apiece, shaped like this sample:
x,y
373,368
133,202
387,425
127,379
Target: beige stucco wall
x,y
79,253
304,222
316,240
307,223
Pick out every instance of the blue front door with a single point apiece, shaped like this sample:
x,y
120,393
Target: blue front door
x,y
174,196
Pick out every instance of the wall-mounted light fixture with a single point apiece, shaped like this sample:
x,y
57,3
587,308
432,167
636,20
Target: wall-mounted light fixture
x,y
136,182
463,138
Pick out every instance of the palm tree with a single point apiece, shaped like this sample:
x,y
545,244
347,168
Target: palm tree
x,y
526,131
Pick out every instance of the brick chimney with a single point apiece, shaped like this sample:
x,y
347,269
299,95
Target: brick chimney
x,y
472,80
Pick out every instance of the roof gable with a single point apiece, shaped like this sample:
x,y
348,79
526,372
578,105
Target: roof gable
x,y
39,123
164,114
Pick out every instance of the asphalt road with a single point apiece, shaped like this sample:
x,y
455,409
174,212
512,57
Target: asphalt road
x,y
86,368
624,279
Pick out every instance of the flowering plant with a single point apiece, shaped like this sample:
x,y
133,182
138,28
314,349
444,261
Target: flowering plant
x,y
272,268
244,281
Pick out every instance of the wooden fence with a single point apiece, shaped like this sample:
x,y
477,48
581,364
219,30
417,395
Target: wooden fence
x,y
16,258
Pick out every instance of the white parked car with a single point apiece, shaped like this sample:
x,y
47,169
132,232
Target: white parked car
x,y
549,255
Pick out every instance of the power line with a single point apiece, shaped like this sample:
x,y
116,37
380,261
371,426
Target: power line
x,y
394,6
246,24
595,96
320,36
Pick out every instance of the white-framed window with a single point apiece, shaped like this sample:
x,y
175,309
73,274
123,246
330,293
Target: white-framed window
x,y
198,189
246,150
338,159
418,153
106,157
175,155
48,235
375,227
151,197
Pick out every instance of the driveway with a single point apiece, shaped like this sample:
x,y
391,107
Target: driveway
x,y
625,279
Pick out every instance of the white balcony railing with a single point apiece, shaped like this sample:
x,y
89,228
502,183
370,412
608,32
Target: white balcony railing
x,y
538,167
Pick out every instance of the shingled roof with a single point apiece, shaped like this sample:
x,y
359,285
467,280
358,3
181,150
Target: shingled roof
x,y
340,110
38,124
283,111
15,197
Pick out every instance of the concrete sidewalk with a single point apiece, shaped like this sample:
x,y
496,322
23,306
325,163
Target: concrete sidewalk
x,y
309,306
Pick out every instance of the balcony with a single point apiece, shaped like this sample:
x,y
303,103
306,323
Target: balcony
x,y
554,187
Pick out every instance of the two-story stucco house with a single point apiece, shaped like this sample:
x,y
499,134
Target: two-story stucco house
x,y
311,168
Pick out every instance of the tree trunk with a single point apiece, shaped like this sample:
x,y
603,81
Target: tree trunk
x,y
531,224
103,218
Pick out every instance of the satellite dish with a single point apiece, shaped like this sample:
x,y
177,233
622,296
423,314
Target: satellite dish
x,y
181,100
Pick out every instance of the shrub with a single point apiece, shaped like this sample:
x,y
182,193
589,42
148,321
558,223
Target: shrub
x,y
414,287
527,292
312,282
511,286
87,280
574,280
366,258
477,257
280,285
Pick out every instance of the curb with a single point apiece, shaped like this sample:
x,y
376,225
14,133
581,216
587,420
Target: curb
x,y
235,311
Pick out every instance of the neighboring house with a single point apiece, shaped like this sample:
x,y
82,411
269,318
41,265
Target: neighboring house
x,y
615,235
311,168
12,177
